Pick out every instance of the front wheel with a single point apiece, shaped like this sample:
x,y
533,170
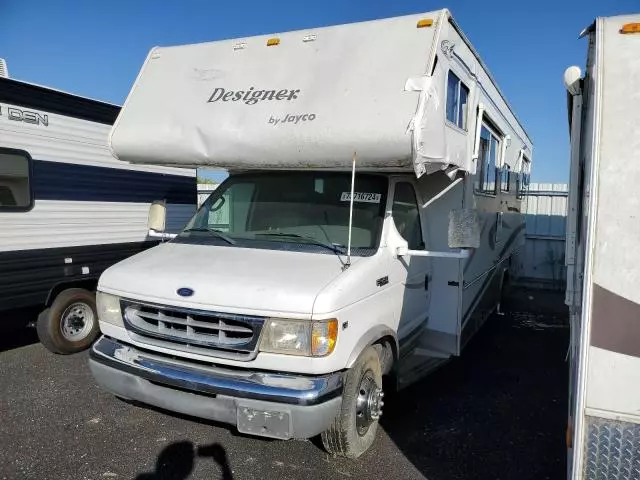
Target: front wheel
x,y
70,325
354,428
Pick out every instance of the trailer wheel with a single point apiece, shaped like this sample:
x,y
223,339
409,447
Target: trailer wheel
x,y
354,428
70,325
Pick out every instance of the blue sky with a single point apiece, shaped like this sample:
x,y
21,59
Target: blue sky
x,y
95,48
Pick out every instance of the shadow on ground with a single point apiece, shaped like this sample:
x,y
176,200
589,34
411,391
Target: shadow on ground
x,y
499,410
176,461
14,329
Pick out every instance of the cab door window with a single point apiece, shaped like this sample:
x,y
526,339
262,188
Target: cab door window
x,y
406,215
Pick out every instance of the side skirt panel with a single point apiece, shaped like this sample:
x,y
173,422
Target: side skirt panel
x,y
483,305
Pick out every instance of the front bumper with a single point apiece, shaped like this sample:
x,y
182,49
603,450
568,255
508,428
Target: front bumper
x,y
258,403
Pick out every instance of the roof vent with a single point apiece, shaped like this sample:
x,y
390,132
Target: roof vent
x,y
4,71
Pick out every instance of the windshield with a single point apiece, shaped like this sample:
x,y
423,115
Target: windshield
x,y
306,209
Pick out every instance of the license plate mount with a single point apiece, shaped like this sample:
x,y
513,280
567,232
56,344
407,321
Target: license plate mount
x,y
264,423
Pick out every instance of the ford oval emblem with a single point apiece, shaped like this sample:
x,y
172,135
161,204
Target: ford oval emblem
x,y
184,292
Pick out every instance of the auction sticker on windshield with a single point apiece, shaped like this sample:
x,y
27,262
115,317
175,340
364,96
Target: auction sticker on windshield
x,y
361,197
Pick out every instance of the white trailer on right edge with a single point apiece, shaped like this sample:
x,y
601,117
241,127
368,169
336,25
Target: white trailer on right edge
x,y
602,256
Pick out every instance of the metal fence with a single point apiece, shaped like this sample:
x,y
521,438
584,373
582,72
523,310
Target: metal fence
x,y
540,262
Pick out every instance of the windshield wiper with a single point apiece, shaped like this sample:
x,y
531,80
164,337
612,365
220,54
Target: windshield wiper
x,y
215,232
334,247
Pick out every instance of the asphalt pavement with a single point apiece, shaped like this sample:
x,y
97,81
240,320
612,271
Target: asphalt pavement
x,y
497,412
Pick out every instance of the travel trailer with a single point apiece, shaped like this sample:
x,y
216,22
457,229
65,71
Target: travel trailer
x,y
68,209
602,257
365,230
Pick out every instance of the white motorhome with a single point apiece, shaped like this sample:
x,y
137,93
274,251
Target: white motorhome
x,y
68,209
327,259
602,257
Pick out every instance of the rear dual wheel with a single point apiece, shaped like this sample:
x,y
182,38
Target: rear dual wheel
x,y
354,428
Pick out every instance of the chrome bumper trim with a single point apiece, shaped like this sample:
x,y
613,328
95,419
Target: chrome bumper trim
x,y
213,380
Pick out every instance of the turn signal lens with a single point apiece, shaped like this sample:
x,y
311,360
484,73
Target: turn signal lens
x,y
273,41
425,22
323,337
630,28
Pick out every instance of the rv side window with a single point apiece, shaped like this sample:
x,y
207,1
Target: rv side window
x,y
487,161
457,99
15,184
505,178
406,215
523,178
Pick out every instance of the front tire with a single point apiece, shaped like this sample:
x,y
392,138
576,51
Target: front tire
x,y
354,428
70,325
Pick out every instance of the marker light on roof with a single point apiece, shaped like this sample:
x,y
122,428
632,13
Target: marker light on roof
x,y
273,42
630,28
309,38
425,22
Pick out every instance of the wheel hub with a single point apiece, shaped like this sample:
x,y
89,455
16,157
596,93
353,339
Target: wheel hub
x,y
368,403
77,321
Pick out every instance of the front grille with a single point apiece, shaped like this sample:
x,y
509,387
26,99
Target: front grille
x,y
195,331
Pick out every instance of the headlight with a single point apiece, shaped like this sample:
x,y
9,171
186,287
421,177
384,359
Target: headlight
x,y
109,309
299,337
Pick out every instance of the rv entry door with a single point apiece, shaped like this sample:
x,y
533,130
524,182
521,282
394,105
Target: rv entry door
x,y
417,292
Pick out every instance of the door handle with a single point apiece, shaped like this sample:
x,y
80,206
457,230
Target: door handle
x,y
426,283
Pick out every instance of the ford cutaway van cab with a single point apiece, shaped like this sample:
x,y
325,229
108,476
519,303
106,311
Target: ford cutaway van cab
x,y
341,249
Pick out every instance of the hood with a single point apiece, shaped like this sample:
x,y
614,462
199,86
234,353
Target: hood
x,y
257,281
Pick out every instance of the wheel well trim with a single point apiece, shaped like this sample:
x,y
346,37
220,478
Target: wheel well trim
x,y
88,283
372,336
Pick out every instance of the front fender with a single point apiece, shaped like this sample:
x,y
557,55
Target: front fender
x,y
369,338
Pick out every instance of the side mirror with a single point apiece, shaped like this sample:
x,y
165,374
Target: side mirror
x,y
157,216
464,228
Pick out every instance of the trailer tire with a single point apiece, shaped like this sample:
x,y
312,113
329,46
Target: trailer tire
x,y
70,324
354,428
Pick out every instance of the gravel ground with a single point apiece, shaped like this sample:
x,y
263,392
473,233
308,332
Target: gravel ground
x,y
497,412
